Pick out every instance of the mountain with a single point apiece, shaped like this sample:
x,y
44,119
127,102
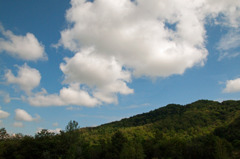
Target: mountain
x,y
202,113
202,129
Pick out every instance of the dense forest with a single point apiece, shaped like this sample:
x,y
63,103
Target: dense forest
x,y
200,130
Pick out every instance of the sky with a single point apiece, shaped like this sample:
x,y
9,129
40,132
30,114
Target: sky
x,y
102,60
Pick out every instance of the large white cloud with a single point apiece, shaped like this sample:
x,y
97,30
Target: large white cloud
x,y
3,114
232,86
27,78
116,39
136,34
22,115
24,47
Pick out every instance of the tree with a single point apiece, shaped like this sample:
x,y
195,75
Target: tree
x,y
118,140
44,133
3,134
70,140
132,150
72,126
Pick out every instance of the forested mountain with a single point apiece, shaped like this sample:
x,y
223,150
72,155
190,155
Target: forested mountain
x,y
199,113
203,129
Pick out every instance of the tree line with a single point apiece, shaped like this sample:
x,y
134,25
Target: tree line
x,y
203,129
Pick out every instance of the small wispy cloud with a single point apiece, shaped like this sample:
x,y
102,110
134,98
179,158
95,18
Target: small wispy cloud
x,y
136,106
73,108
55,124
18,124
228,55
228,44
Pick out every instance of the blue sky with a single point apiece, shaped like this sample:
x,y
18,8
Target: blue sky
x,y
103,60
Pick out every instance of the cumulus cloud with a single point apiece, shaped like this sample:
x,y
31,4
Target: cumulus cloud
x,y
18,124
115,40
71,95
105,76
3,114
24,47
137,34
232,86
22,115
87,72
27,78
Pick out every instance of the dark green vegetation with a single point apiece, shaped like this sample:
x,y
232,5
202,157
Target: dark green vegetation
x,y
201,130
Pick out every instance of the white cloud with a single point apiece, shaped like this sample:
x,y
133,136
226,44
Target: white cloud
x,y
225,12
22,115
231,40
27,78
115,40
137,36
56,131
3,114
232,86
24,47
87,72
18,124
228,55
71,95
229,44
104,76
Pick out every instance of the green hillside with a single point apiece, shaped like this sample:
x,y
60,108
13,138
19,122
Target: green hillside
x,y
203,129
201,113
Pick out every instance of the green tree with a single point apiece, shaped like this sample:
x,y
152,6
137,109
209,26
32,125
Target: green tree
x,y
133,150
44,133
72,126
3,134
117,142
71,140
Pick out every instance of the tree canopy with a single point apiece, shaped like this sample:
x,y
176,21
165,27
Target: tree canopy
x,y
202,129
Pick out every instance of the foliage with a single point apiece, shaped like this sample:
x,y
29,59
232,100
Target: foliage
x,y
203,129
